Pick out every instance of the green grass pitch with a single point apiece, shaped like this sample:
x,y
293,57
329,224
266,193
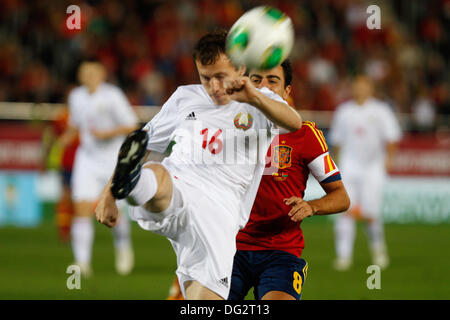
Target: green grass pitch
x,y
33,265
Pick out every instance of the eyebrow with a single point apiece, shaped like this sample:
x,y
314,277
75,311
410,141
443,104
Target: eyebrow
x,y
270,76
273,76
213,75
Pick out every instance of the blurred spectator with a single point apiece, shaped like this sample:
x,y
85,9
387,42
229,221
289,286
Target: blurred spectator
x,y
147,45
321,71
424,112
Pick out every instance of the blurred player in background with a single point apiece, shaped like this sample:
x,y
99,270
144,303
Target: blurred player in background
x,y
270,245
102,116
61,159
364,133
193,197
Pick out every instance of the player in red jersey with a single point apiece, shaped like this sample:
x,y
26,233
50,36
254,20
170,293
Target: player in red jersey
x,y
271,244
64,210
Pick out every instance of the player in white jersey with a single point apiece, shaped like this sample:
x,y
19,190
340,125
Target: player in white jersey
x,y
195,196
364,133
101,115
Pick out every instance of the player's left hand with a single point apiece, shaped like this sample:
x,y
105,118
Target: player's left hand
x,y
300,208
240,89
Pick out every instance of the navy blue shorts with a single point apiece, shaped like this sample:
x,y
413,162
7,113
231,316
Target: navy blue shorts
x,y
66,177
267,270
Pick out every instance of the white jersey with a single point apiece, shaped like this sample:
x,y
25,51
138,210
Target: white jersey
x,y
216,148
105,109
362,133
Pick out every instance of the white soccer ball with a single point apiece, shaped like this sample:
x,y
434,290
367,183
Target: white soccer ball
x,y
261,38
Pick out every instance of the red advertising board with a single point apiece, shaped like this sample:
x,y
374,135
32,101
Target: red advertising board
x,y
417,154
423,155
20,146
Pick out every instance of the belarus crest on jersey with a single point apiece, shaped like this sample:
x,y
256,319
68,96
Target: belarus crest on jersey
x,y
282,156
243,120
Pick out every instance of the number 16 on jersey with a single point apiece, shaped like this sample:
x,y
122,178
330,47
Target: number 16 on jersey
x,y
215,144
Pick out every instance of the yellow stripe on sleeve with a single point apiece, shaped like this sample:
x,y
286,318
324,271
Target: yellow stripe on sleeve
x,y
323,138
330,163
317,135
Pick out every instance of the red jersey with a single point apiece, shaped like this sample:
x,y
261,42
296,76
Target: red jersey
x,y
68,157
292,157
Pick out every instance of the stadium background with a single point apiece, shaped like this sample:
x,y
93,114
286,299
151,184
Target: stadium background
x,y
146,47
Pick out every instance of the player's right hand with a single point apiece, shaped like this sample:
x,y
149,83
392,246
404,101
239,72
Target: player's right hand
x,y
300,208
240,89
106,210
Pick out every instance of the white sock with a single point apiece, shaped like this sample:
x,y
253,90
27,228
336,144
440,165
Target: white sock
x,y
145,189
344,236
121,231
82,234
375,232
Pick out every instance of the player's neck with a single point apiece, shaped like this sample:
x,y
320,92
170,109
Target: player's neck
x,y
361,101
93,88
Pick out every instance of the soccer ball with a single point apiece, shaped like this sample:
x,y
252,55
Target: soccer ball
x,y
261,38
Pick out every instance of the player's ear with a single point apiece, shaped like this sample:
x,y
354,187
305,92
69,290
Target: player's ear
x,y
287,90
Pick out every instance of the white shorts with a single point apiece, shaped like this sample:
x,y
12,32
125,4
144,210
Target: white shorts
x,y
366,191
202,234
88,179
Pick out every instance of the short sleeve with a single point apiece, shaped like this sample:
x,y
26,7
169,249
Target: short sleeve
x,y
163,124
123,112
390,127
336,134
316,155
324,169
73,120
315,143
272,95
275,130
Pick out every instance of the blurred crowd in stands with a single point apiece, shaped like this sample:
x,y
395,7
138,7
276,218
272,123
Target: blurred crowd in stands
x,y
146,47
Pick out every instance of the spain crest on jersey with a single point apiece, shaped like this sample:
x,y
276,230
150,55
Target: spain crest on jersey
x,y
282,156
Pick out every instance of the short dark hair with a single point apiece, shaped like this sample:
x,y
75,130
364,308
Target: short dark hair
x,y
287,70
210,46
90,59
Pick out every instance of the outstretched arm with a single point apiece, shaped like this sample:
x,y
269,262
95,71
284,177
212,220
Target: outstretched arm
x,y
118,131
336,200
106,211
279,113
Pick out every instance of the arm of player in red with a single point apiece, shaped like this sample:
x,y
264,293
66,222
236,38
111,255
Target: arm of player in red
x,y
336,200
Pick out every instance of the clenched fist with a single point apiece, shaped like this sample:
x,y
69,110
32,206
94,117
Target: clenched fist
x,y
240,89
